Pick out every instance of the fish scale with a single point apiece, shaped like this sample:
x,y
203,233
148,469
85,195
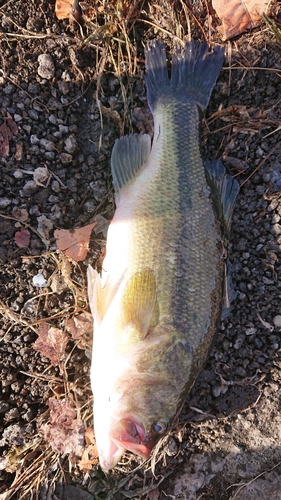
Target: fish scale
x,y
158,299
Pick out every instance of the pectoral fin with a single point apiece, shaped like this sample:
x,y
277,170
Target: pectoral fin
x,y
139,303
100,297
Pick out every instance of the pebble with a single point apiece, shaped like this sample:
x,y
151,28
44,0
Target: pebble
x,y
47,145
46,67
34,139
251,331
29,188
66,158
56,186
71,145
172,447
277,321
5,202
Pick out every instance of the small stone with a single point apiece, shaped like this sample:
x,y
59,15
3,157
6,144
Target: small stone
x,y
63,87
40,175
33,114
17,118
39,281
251,331
259,247
216,390
239,342
172,447
29,188
56,186
34,139
276,218
267,281
17,174
53,119
277,321
66,158
70,144
12,414
241,372
47,145
5,202
46,67
276,229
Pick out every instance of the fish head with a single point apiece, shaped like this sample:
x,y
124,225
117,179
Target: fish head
x,y
128,434
132,421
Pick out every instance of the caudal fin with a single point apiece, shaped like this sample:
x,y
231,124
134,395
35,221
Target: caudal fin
x,y
193,76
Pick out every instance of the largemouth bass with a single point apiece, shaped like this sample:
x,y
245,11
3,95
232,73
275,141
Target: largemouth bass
x,y
158,299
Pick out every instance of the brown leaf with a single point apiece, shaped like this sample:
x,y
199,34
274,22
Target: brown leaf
x,y
51,343
65,9
80,328
65,433
239,15
74,244
22,238
90,454
7,130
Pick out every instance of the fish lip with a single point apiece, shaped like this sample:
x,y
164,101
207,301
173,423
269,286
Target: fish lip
x,y
115,456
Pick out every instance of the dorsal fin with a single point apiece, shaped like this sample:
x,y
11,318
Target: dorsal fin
x,y
129,156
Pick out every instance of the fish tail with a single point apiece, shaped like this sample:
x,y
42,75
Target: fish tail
x,y
193,75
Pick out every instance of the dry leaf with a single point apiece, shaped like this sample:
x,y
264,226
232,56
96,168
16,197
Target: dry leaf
x,y
90,454
67,8
239,15
51,343
7,130
22,238
80,328
65,433
74,244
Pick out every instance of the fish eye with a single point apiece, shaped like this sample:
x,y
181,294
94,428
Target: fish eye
x,y
160,426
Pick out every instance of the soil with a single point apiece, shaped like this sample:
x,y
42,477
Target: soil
x,y
68,90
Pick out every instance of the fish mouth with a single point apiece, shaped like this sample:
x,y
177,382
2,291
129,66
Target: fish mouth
x,y
129,434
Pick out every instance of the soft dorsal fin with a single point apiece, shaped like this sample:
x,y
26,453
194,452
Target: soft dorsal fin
x,y
129,156
139,306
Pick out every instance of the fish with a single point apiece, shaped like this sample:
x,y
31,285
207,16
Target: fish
x,y
158,299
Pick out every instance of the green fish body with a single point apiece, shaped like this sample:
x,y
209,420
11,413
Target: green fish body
x,y
158,300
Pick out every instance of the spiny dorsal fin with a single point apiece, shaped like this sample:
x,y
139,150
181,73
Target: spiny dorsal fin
x,y
129,156
139,303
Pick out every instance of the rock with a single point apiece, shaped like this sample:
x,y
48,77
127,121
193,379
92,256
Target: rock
x,y
71,145
5,202
46,67
65,158
29,188
47,145
277,321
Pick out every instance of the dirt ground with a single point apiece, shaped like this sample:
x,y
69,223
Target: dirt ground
x,y
68,90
